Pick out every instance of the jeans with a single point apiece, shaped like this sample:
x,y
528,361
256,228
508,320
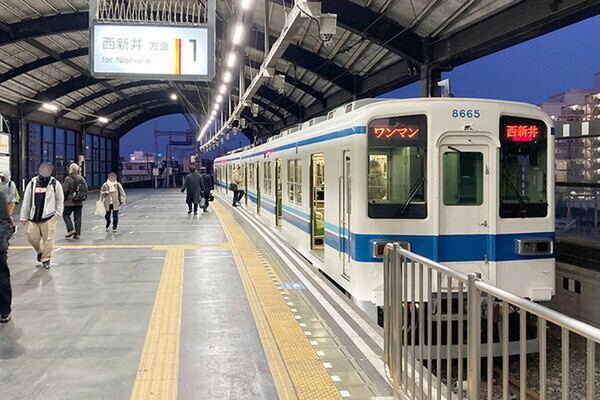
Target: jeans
x,y
76,211
115,217
237,196
5,289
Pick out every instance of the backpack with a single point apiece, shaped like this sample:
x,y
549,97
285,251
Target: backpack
x,y
81,190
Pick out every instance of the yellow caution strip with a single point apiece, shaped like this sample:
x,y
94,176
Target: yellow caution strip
x,y
159,365
126,246
297,371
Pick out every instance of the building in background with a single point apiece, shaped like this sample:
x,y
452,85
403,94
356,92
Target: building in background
x,y
137,167
575,105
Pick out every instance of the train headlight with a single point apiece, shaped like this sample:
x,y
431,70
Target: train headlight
x,y
534,247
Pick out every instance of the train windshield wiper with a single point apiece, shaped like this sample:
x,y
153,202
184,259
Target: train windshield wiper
x,y
514,190
413,192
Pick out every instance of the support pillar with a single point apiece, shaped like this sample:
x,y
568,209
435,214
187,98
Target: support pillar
x,y
23,164
430,76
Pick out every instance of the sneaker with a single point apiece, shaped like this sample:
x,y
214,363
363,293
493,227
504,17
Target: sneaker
x,y
39,257
4,318
205,210
114,230
46,264
69,234
189,211
196,213
13,229
76,236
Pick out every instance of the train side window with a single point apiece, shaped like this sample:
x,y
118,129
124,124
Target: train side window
x,y
294,181
463,178
397,167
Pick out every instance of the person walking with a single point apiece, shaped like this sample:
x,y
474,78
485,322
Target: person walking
x,y
5,288
9,188
240,189
75,190
42,206
207,184
114,198
194,190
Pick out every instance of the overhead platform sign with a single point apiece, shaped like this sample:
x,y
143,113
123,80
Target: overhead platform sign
x,y
147,51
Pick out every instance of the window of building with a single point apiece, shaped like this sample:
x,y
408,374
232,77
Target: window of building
x,y
294,181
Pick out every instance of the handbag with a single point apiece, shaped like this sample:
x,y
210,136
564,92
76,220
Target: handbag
x,y
100,209
211,197
232,187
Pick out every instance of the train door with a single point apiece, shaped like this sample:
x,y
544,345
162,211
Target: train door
x,y
345,191
465,207
278,193
317,209
258,187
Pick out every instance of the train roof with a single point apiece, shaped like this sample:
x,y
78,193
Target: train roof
x,y
358,104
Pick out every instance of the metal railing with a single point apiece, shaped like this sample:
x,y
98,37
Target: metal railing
x,y
436,317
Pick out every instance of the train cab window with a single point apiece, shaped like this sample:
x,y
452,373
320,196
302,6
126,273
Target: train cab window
x,y
463,178
523,168
397,167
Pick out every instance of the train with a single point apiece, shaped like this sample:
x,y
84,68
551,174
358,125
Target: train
x,y
466,182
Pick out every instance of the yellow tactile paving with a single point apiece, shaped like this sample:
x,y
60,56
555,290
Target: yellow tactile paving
x,y
159,364
296,368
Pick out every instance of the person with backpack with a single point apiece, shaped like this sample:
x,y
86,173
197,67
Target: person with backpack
x,y
9,188
75,190
41,208
5,288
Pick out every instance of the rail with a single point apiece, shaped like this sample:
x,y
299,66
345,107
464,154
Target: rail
x,y
436,317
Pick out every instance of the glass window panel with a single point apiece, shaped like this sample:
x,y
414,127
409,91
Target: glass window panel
x,y
60,135
463,178
48,134
71,137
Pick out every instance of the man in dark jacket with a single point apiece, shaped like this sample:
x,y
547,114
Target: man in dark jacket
x,y
5,289
192,185
75,189
206,185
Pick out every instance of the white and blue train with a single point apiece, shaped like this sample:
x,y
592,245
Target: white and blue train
x,y
465,182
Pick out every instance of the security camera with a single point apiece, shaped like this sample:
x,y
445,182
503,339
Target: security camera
x,y
254,110
328,28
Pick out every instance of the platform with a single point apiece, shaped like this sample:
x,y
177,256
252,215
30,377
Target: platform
x,y
175,306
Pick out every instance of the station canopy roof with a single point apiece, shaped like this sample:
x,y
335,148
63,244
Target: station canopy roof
x,y
380,45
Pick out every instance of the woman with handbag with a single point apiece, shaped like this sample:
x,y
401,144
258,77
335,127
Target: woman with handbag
x,y
112,195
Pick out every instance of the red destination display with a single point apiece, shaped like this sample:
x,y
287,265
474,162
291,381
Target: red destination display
x,y
521,133
405,132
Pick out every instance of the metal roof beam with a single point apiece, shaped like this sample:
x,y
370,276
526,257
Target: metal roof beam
x,y
520,22
376,28
42,62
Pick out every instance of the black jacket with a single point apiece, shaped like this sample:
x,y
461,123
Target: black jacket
x,y
4,224
206,183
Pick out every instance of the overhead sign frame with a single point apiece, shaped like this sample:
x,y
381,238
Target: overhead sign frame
x,y
209,26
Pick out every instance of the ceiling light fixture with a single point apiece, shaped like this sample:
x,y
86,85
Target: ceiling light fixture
x,y
223,89
246,4
231,60
219,98
173,96
103,120
227,76
50,107
237,33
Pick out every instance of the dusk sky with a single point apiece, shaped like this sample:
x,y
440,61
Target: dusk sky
x,y
529,72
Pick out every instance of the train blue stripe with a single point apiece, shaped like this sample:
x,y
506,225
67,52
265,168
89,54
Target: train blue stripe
x,y
357,130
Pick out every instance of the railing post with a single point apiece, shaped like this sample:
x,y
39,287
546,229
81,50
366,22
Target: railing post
x,y
473,339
